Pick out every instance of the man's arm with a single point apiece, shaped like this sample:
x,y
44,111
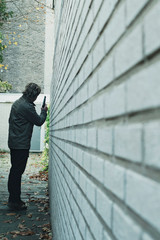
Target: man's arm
x,y
32,116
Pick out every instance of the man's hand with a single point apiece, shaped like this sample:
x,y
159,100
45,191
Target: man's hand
x,y
45,108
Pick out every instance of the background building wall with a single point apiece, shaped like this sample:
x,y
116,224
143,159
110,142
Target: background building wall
x,y
105,121
25,40
49,45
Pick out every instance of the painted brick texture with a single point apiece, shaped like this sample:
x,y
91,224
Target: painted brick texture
x,y
105,137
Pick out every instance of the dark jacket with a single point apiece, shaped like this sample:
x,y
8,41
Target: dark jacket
x,y
22,118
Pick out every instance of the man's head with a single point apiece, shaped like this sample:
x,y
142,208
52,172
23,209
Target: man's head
x,y
32,90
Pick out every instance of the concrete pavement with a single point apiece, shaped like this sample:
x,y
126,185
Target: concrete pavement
x,y
34,223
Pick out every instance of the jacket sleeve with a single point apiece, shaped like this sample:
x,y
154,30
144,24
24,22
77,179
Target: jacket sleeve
x,y
31,115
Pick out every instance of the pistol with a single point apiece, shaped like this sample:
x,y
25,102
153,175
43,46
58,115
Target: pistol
x,y
44,102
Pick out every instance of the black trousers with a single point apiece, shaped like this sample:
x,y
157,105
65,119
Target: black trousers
x,y
18,164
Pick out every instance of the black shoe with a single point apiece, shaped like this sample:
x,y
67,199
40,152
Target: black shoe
x,y
17,206
21,202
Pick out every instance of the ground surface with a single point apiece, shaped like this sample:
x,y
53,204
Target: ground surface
x,y
34,223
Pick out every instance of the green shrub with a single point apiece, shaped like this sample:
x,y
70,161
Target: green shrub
x,y
45,154
5,86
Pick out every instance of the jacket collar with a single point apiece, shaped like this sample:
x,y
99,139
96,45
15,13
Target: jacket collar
x,y
28,100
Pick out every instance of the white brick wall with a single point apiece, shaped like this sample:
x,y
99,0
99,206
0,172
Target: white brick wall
x,y
104,207
105,137
114,179
128,142
141,86
133,8
131,44
139,188
123,227
146,237
151,30
152,139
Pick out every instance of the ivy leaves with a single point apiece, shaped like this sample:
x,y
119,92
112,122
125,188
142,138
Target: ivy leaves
x,y
4,15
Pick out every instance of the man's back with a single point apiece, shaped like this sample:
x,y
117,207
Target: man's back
x,y
22,118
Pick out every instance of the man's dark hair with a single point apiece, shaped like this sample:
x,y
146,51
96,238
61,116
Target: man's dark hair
x,y
32,90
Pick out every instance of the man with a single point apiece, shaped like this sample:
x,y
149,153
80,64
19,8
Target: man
x,y
22,118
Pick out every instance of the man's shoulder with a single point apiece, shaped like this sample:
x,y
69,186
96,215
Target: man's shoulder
x,y
22,104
